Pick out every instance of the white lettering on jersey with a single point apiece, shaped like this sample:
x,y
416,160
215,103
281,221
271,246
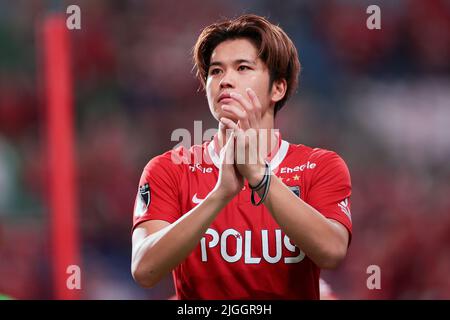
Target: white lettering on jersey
x,y
265,246
232,257
344,208
302,167
248,249
199,167
291,248
223,245
211,244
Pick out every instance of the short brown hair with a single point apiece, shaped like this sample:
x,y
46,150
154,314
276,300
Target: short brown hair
x,y
276,49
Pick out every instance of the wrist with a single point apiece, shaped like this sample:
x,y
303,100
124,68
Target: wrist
x,y
262,188
257,176
221,196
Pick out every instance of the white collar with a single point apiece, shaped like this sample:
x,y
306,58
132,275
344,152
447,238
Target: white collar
x,y
274,163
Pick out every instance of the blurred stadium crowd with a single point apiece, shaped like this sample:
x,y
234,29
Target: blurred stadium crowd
x,y
380,98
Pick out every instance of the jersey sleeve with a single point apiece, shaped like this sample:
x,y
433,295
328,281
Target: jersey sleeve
x,y
158,193
330,187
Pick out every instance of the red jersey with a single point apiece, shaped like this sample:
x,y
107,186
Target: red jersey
x,y
244,254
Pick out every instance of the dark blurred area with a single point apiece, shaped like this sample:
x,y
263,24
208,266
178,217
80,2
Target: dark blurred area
x,y
380,98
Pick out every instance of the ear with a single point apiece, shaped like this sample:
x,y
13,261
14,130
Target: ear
x,y
279,88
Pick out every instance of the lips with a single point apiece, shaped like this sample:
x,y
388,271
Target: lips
x,y
226,100
224,96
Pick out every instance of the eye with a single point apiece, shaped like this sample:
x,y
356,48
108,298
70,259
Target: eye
x,y
214,71
243,67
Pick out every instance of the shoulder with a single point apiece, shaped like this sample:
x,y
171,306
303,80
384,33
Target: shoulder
x,y
325,156
311,153
318,158
330,166
177,159
314,153
170,161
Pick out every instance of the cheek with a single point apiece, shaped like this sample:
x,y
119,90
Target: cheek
x,y
254,79
261,88
210,94
208,90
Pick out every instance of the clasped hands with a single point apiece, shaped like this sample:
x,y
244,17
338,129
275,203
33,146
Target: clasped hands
x,y
247,135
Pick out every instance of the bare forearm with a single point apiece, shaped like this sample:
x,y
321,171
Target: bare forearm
x,y
316,235
162,251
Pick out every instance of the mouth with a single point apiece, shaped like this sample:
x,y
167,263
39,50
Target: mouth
x,y
224,98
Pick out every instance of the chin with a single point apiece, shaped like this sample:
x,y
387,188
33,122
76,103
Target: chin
x,y
226,115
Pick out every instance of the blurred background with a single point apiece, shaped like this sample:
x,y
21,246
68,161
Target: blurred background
x,y
380,98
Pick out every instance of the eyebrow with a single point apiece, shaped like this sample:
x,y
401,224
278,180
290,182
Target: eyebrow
x,y
238,61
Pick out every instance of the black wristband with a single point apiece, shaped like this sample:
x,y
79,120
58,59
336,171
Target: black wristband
x,y
265,182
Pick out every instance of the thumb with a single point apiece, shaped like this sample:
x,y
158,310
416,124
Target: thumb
x,y
227,153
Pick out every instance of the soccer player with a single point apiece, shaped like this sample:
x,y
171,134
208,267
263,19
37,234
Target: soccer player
x,y
227,225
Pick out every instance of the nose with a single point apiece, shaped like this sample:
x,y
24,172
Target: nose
x,y
227,80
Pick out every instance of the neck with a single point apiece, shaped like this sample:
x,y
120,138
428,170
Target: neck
x,y
269,139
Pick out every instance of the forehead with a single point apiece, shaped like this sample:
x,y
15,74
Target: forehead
x,y
236,49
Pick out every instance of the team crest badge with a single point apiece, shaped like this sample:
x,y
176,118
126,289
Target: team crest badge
x,y
296,190
142,200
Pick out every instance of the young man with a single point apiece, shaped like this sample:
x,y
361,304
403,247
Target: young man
x,y
200,217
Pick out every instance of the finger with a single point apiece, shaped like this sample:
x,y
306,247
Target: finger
x,y
238,113
240,146
248,107
229,124
255,101
229,149
226,148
